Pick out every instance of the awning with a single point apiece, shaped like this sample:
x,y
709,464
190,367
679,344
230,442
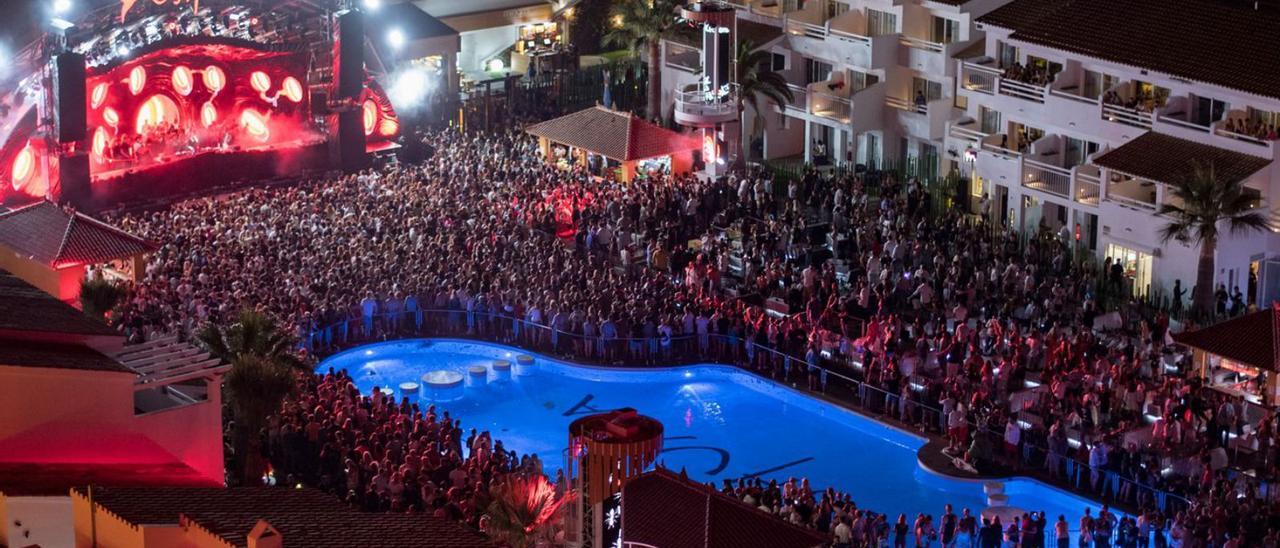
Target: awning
x,y
1165,159
168,360
617,135
1247,339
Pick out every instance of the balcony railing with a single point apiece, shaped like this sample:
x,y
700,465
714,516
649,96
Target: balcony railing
x,y
1074,97
1014,88
1168,119
1088,188
1242,137
1135,203
980,78
967,132
801,28
849,36
1047,178
1126,116
835,107
903,104
799,98
696,104
922,44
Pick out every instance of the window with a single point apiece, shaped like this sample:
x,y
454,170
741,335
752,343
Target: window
x,y
816,71
929,89
1135,266
1206,110
872,152
1046,65
945,31
1096,83
778,62
1078,151
1263,117
836,9
862,80
1008,55
990,119
881,23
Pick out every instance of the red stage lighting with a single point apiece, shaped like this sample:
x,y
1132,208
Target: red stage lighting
x,y
260,81
99,142
214,78
292,89
99,94
183,81
208,114
159,109
110,117
255,124
137,79
370,116
24,165
389,127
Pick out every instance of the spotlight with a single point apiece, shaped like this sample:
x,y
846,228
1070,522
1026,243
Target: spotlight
x,y
372,5
61,6
409,88
495,65
121,50
395,38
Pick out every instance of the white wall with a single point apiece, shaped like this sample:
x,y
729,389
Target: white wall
x,y
46,522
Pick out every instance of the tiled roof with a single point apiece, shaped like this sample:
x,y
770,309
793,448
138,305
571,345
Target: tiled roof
x,y
661,508
56,237
1215,42
1246,339
57,356
618,135
1166,159
27,309
306,518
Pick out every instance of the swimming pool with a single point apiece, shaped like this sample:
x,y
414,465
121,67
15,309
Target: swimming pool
x,y
720,423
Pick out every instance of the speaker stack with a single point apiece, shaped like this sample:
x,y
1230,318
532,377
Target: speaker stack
x,y
348,70
70,123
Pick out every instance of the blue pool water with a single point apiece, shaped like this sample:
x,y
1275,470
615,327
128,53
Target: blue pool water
x,y
720,423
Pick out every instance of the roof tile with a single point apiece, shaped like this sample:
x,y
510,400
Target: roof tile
x,y
57,237
1167,159
617,135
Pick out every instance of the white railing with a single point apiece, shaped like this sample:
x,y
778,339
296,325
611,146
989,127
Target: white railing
x,y
709,103
921,43
1242,137
1126,116
965,132
799,98
1014,88
831,106
1183,123
980,78
849,36
903,104
801,28
1074,97
1088,188
1131,202
1046,178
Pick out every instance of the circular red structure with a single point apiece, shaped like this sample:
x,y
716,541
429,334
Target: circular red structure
x,y
611,448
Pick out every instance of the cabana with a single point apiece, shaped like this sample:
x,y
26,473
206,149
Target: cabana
x,y
603,139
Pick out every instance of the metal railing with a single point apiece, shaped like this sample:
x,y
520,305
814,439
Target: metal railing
x,y
1046,178
980,78
1127,116
703,102
1182,123
1088,188
963,131
1130,202
1074,97
1014,88
922,44
903,104
1241,137
799,98
830,106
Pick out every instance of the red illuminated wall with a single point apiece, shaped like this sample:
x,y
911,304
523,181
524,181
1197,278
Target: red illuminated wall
x,y
204,98
381,125
23,163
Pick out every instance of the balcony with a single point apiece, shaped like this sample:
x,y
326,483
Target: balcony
x,y
923,121
966,130
1134,193
834,104
983,78
842,39
1128,116
1046,178
1088,184
928,56
700,107
766,8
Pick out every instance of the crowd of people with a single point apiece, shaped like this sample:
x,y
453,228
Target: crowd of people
x,y
946,322
1256,128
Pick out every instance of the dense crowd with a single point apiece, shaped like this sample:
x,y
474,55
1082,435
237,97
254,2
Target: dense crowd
x,y
945,321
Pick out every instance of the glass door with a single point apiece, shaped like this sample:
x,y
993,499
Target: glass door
x,y
881,22
1135,268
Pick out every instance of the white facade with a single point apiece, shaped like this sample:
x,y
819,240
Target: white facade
x,y
923,80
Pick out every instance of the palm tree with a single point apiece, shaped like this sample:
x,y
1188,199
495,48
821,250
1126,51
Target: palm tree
x,y
1207,200
256,386
755,80
640,26
254,333
525,511
98,297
